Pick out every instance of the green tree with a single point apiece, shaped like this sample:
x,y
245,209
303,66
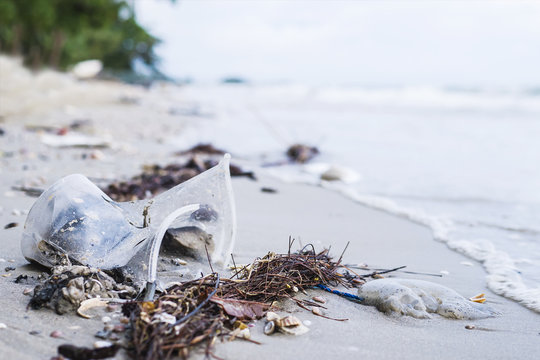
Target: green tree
x,y
59,33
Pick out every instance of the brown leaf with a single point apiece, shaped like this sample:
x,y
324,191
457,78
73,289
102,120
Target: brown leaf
x,y
242,309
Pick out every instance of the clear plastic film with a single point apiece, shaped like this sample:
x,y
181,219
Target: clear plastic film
x,y
75,221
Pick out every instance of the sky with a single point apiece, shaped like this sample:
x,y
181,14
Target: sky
x,y
333,42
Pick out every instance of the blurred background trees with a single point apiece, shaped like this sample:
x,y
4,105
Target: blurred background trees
x,y
59,33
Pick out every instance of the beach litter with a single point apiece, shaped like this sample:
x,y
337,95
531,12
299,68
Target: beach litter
x,y
197,313
75,223
211,308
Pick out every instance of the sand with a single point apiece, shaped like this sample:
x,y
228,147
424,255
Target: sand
x,y
265,221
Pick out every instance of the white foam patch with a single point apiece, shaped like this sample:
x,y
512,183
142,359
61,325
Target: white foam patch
x,y
419,299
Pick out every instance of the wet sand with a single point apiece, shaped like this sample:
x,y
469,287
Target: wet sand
x,y
265,221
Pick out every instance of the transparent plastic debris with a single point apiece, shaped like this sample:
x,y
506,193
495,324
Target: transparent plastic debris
x,y
75,222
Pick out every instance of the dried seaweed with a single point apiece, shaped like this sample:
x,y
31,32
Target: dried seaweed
x,y
201,311
156,179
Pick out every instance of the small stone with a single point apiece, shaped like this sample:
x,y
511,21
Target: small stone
x,y
108,327
9,268
179,262
97,155
124,320
102,343
27,291
470,327
11,225
35,332
295,288
316,310
106,319
56,334
319,299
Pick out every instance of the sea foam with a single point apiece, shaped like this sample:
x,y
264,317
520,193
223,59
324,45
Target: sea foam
x,y
419,299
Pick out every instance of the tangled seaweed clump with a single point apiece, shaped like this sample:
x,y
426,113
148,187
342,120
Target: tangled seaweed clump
x,y
210,308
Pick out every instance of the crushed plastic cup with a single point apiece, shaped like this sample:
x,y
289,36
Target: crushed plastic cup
x,y
74,220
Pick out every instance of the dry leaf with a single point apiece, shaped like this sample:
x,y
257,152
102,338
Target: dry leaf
x,y
242,309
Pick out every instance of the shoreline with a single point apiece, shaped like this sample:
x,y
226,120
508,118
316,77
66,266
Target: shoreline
x,y
265,221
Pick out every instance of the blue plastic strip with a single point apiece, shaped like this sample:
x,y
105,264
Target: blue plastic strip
x,y
341,293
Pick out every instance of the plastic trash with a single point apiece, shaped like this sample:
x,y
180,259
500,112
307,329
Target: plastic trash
x,y
75,220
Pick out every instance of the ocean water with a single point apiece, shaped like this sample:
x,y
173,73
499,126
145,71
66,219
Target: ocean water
x,y
464,162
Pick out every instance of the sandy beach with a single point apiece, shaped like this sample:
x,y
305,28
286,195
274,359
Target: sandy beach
x,y
135,132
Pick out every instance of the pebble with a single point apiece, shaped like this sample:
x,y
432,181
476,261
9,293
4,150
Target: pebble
x,y
11,225
316,310
319,299
106,319
470,327
179,262
97,155
3,326
56,334
35,332
102,343
124,320
27,291
9,268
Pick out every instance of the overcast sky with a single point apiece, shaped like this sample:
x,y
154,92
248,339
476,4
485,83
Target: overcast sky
x,y
469,43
